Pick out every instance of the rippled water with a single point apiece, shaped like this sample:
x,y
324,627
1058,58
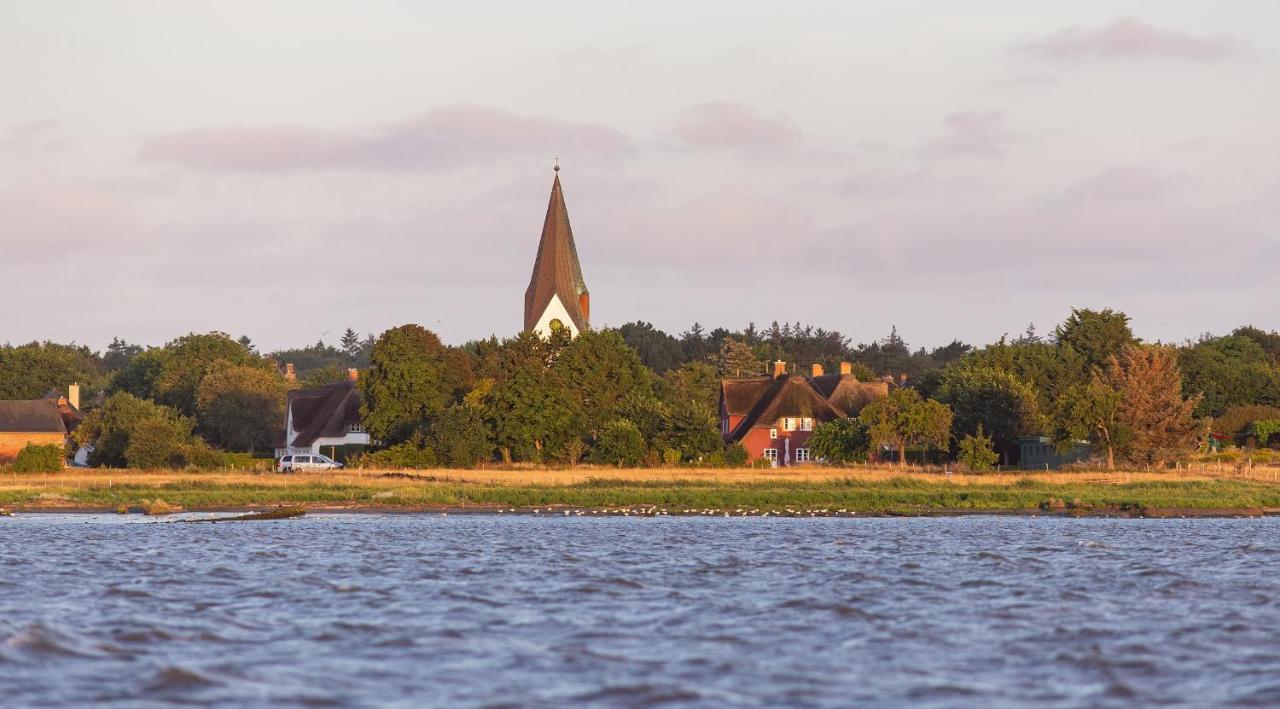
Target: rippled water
x,y
465,610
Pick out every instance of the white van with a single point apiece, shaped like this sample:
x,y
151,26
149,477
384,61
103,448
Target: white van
x,y
308,461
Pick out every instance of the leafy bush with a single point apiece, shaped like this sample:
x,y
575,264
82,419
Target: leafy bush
x,y
976,452
199,454
620,443
762,463
714,460
842,440
40,459
404,455
157,443
671,457
112,427
1237,420
460,438
736,456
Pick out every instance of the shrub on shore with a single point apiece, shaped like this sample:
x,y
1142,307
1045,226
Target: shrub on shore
x,y
40,459
404,455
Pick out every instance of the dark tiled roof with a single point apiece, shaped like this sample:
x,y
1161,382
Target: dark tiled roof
x,y
848,394
324,411
31,416
556,272
787,396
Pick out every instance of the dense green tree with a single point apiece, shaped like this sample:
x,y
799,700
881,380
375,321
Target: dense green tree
x,y
690,429
904,419
352,346
413,378
1090,412
840,441
620,443
157,443
1229,371
1269,341
1038,364
31,371
460,437
649,414
600,371
533,415
323,376
991,399
658,350
736,359
118,354
694,382
110,427
138,376
241,408
171,376
1094,336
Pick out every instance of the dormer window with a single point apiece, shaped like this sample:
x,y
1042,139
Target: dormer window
x,y
355,428
788,424
806,424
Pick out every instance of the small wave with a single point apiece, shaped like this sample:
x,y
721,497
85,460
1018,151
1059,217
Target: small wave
x,y
39,640
639,695
1090,544
175,677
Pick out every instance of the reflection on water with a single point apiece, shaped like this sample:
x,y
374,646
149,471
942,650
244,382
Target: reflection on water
x,y
411,610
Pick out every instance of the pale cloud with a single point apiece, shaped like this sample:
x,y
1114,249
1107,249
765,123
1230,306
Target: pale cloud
x,y
439,139
1130,38
974,134
33,138
727,126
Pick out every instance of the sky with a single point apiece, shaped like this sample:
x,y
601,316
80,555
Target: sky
x,y
286,170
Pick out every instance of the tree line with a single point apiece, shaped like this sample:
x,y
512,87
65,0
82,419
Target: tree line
x,y
636,395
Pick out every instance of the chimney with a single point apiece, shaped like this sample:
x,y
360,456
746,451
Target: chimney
x,y
846,368
779,369
353,374
817,369
73,396
289,375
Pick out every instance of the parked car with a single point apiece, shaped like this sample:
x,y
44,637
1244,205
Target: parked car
x,y
309,461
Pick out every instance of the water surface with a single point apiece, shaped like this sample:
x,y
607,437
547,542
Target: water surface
x,y
412,610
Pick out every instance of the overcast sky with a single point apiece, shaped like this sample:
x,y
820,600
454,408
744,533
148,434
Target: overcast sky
x,y
287,169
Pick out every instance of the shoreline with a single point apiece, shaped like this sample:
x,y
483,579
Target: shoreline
x,y
557,511
605,492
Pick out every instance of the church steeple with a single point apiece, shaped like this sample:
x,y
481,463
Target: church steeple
x,y
557,295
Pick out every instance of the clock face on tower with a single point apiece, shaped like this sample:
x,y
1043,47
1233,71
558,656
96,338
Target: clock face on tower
x,y
555,325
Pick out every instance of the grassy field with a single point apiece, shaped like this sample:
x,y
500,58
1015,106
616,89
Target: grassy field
x,y
676,491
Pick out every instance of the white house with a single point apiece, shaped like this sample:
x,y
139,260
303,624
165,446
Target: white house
x,y
322,417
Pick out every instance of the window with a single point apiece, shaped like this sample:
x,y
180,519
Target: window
x,y
788,424
773,433
806,424
355,428
771,454
802,455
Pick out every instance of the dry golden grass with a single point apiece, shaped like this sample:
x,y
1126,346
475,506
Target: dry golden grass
x,y
80,478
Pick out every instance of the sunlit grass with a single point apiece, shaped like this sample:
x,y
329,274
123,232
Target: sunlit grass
x,y
677,490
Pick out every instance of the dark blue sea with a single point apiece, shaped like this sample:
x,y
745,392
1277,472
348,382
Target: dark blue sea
x,y
430,610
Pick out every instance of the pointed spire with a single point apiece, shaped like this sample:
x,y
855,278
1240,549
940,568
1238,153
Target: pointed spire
x,y
557,274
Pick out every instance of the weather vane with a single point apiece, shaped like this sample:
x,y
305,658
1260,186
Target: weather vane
x,y
557,167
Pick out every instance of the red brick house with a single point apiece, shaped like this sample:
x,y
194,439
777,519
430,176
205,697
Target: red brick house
x,y
773,417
